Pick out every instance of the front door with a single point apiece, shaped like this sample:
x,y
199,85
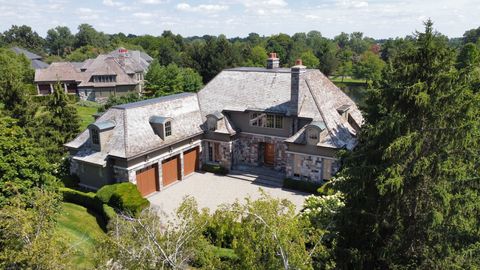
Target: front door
x,y
269,156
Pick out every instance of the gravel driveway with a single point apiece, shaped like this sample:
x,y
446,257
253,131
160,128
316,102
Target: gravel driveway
x,y
212,190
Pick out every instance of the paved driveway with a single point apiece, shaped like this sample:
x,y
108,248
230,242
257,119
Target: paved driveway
x,y
211,190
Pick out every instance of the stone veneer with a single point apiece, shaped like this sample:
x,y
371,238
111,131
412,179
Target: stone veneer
x,y
245,150
311,167
225,159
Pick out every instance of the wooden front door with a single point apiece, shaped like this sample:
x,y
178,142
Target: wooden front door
x,y
269,156
147,181
170,170
190,161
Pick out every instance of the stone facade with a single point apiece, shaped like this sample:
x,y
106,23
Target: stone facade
x,y
310,167
246,150
225,153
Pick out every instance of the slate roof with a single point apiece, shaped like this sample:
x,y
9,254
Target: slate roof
x,y
35,59
243,89
133,135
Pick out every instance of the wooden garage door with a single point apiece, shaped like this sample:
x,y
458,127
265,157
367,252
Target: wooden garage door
x,y
170,170
190,161
147,180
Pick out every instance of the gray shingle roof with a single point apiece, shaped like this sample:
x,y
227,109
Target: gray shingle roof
x,y
104,125
28,54
133,135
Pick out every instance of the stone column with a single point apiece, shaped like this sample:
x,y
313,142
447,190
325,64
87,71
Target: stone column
x,y
182,173
51,88
159,175
65,87
38,89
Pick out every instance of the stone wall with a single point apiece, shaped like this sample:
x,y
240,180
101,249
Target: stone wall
x,y
246,150
225,158
311,167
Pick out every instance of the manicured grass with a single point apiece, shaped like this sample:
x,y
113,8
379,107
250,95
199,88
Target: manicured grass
x,y
347,80
86,115
82,232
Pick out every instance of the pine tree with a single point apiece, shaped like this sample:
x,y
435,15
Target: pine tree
x,y
411,188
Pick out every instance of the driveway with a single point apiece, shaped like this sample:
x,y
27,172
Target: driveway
x,y
210,190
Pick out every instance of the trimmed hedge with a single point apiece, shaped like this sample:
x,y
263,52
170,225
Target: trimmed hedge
x,y
301,185
91,202
124,197
216,169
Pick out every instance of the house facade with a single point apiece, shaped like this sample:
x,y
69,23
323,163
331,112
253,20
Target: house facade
x,y
117,73
291,121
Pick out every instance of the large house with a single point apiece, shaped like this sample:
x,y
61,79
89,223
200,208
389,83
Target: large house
x,y
288,120
117,73
36,61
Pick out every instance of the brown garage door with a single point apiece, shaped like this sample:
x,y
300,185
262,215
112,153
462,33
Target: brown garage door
x,y
170,170
190,161
147,180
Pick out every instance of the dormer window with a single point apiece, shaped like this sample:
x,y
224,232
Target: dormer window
x,y
343,111
314,131
104,78
168,128
212,120
95,136
162,126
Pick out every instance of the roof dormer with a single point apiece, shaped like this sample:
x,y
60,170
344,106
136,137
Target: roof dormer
x,y
343,111
100,132
315,132
162,126
212,120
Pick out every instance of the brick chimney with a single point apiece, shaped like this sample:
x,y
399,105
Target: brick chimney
x,y
297,72
273,61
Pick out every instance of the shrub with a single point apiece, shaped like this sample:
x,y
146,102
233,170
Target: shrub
x,y
301,185
89,201
326,189
216,169
125,197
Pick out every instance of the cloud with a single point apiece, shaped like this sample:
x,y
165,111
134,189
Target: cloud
x,y
87,13
265,6
352,4
152,2
201,8
143,15
111,3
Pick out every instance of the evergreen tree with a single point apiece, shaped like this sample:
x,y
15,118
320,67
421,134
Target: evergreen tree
x,y
411,188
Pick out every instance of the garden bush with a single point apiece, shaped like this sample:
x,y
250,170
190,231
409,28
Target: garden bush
x,y
216,169
89,201
302,185
124,197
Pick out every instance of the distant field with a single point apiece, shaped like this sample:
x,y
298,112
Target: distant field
x,y
82,232
347,80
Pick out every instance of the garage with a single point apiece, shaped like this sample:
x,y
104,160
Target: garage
x,y
147,180
190,161
170,170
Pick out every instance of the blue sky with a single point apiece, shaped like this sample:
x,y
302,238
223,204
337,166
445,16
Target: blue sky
x,y
376,18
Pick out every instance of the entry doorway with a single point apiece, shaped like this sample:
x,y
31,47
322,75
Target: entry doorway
x,y
266,154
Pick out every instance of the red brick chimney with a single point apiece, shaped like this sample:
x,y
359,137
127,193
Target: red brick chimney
x,y
273,62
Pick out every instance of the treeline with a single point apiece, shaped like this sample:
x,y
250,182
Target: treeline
x,y
345,55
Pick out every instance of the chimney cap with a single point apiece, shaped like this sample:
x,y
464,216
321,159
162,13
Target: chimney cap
x,y
299,64
273,55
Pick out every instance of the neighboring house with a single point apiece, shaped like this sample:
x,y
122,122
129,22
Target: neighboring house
x,y
117,73
287,120
35,60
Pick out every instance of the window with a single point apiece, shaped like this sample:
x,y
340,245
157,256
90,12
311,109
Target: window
x,y
213,152
95,136
266,120
212,123
104,78
168,128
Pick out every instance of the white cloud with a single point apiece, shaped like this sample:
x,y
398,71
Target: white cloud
x,y
143,15
352,3
87,13
201,8
111,3
265,6
152,2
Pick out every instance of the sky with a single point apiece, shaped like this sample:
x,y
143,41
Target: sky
x,y
375,18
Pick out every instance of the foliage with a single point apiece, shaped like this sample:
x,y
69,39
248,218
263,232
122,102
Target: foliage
x,y
309,60
301,185
23,165
171,79
83,53
86,113
124,197
411,198
59,40
24,37
152,242
28,239
369,67
91,202
214,168
87,35
118,100
257,57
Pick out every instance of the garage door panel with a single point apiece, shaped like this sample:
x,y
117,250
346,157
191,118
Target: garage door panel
x,y
147,180
190,161
170,170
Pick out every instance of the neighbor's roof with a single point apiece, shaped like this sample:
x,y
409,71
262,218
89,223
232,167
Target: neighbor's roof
x,y
242,89
59,71
28,54
133,134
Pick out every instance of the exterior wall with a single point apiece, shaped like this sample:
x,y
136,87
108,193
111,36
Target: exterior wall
x,y
226,151
246,150
242,121
311,167
101,94
91,176
312,150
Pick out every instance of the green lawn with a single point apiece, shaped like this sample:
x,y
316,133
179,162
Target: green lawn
x,y
347,80
86,115
82,232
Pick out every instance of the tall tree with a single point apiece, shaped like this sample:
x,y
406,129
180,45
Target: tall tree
x,y
87,35
59,40
369,67
24,37
411,189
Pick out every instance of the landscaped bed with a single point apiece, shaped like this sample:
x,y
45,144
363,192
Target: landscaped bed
x,y
81,229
